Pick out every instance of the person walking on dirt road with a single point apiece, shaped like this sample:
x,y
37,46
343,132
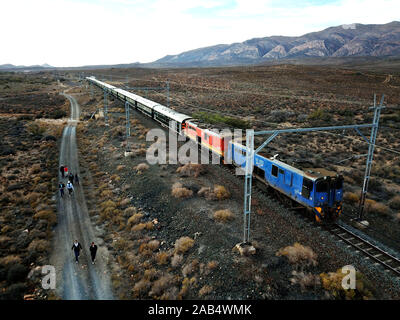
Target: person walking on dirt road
x,y
77,249
71,177
93,250
70,187
62,171
76,179
61,187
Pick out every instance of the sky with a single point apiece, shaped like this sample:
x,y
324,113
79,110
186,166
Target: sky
x,y
67,33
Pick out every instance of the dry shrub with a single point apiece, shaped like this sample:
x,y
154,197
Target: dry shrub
x,y
223,215
211,265
134,219
397,216
162,258
183,244
32,197
351,197
218,193
205,290
176,260
115,178
191,170
124,203
141,287
4,240
394,203
138,227
221,193
39,245
204,191
178,191
10,260
35,168
149,225
170,293
121,167
106,194
153,245
48,215
305,280
190,268
332,283
129,211
108,204
150,274
186,285
142,167
299,255
372,206
161,284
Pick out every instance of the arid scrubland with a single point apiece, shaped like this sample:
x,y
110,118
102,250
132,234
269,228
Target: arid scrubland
x,y
29,105
171,228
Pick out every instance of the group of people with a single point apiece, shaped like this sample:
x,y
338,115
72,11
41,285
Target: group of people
x,y
77,247
70,184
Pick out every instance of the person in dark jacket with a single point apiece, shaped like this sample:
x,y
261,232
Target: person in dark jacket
x,y
61,187
77,249
93,251
76,179
62,171
71,177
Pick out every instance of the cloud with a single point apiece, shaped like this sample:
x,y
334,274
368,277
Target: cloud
x,y
73,33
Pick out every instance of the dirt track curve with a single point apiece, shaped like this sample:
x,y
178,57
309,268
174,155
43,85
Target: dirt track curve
x,y
77,281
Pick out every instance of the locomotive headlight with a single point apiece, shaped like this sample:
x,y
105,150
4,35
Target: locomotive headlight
x,y
322,198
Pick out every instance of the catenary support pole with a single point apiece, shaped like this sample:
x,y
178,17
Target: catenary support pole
x,y
370,156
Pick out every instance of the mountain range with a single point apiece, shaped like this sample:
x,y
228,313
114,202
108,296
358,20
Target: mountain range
x,y
352,40
339,43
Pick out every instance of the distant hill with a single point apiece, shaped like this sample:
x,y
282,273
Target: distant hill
x,y
342,41
11,67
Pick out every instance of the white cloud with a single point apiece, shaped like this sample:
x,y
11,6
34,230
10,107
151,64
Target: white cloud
x,y
72,33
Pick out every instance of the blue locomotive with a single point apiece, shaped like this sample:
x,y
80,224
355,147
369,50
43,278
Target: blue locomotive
x,y
318,189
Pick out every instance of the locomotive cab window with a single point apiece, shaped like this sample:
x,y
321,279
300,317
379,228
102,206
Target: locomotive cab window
x,y
274,171
307,188
339,183
281,171
322,186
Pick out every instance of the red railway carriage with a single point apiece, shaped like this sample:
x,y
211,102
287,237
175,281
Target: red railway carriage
x,y
206,137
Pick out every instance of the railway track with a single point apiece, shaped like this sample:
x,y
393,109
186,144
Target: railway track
x,y
370,250
373,252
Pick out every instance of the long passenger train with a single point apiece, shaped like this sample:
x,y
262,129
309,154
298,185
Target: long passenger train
x,y
317,189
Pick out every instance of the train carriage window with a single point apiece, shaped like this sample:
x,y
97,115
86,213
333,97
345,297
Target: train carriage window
x,y
281,171
307,188
206,136
274,171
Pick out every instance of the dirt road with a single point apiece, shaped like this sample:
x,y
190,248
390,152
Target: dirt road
x,y
77,281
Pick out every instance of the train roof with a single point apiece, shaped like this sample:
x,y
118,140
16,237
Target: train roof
x,y
311,173
179,117
109,86
144,101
